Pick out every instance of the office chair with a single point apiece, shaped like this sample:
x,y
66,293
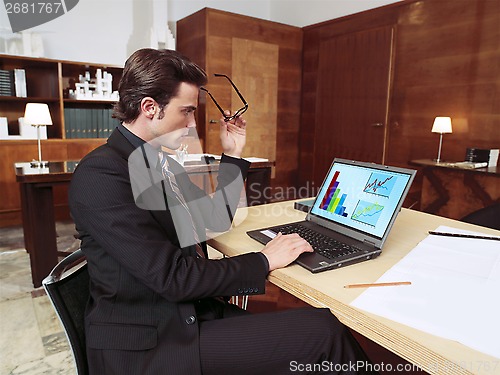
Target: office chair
x,y
68,289
486,217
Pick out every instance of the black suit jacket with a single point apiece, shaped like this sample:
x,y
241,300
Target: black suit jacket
x,y
142,318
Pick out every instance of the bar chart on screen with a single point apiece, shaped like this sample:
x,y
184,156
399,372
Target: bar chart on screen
x,y
334,200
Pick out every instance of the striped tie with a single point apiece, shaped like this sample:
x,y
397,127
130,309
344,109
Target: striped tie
x,y
170,177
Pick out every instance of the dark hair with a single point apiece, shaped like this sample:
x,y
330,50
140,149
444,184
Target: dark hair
x,y
154,73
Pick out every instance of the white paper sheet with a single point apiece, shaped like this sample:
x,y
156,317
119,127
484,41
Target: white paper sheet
x,y
455,291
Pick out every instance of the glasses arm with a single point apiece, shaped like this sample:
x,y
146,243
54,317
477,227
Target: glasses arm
x,y
215,101
235,88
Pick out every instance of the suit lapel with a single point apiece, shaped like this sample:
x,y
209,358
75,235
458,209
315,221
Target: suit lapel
x,y
144,172
142,163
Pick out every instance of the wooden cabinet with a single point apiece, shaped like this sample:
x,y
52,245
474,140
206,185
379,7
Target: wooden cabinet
x,y
263,58
47,81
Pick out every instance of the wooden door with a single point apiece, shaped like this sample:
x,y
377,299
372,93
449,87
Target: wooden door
x,y
354,78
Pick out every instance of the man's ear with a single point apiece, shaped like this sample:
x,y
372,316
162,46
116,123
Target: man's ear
x,y
149,107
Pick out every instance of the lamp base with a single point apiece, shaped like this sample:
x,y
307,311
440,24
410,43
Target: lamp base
x,y
39,164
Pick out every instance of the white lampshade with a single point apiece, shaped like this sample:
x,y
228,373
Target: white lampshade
x,y
442,125
37,114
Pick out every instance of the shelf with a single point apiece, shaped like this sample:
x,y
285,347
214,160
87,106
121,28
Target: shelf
x,y
47,81
29,99
52,141
88,101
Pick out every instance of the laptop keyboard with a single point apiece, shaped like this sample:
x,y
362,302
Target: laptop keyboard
x,y
326,246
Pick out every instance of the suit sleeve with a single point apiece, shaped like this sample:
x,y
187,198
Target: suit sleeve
x,y
215,212
103,207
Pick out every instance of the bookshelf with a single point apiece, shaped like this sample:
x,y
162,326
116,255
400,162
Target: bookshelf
x,y
49,81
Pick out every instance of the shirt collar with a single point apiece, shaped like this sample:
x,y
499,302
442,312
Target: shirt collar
x,y
151,153
131,137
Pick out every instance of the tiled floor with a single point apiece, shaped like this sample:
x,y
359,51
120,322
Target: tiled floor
x,y
32,341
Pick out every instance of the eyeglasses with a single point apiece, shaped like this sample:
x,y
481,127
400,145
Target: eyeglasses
x,y
236,114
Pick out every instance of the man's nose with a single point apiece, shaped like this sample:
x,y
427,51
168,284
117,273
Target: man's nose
x,y
192,122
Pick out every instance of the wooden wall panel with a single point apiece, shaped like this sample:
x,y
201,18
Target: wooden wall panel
x,y
446,63
219,55
311,166
257,62
352,97
221,29
446,68
24,151
192,42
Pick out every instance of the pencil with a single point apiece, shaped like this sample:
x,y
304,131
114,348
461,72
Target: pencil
x,y
377,284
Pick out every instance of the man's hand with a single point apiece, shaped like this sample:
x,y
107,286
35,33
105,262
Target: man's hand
x,y
284,249
233,136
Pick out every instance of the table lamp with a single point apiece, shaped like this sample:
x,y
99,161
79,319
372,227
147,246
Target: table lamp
x,y
441,125
38,114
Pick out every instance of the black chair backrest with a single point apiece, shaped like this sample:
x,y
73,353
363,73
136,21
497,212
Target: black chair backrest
x,y
67,287
487,217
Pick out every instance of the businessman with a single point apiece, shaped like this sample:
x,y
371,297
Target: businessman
x,y
158,305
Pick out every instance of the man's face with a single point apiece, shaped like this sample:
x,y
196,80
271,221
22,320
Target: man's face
x,y
171,126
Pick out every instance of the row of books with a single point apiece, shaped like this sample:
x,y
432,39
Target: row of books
x,y
13,83
88,123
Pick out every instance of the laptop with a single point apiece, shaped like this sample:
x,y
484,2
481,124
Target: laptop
x,y
351,216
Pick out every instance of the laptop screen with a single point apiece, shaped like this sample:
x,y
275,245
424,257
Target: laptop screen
x,y
362,196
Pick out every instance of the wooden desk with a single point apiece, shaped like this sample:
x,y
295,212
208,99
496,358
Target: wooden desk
x,y
433,354
37,204
455,192
257,184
